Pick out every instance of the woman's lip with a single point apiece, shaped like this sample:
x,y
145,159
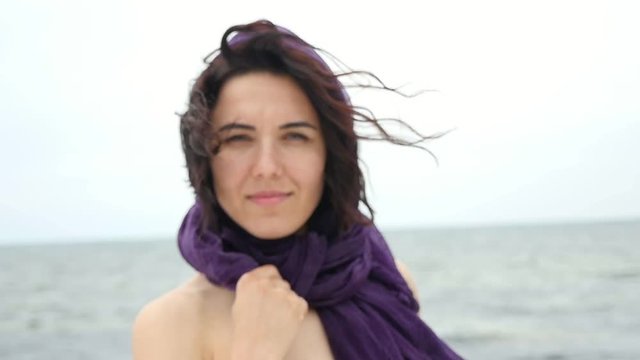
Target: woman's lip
x,y
268,197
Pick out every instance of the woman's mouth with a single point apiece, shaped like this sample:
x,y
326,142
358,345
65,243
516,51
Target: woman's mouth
x,y
266,198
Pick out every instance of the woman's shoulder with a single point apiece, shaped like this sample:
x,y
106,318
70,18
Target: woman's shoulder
x,y
172,326
178,302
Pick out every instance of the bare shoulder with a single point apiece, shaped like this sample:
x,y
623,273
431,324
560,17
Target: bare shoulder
x,y
171,326
404,271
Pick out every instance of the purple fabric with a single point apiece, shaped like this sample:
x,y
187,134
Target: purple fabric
x,y
366,307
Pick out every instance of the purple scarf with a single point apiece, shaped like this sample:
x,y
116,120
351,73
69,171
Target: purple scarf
x,y
366,307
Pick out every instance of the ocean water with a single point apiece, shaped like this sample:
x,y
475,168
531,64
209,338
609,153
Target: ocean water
x,y
535,292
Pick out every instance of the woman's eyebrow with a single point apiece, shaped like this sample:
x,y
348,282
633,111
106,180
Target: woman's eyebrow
x,y
296,124
235,125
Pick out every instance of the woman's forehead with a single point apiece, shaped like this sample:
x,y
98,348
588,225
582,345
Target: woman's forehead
x,y
259,98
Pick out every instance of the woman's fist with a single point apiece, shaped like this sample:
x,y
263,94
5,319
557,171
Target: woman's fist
x,y
266,315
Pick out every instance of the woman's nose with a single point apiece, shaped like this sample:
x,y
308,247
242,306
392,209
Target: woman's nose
x,y
267,161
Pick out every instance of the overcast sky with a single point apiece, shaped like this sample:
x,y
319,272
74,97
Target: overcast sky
x,y
543,97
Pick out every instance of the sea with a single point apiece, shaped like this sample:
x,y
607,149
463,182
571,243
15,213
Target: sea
x,y
554,292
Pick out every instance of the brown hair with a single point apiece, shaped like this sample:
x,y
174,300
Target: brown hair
x,y
263,46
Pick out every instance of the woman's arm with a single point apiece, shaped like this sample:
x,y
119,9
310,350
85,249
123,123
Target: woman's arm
x,y
167,329
266,318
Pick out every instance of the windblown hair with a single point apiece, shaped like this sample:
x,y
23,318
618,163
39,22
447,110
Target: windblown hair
x,y
263,46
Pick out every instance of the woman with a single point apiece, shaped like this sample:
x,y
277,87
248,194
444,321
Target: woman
x,y
288,267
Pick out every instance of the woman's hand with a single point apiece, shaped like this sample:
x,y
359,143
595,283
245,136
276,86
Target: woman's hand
x,y
266,315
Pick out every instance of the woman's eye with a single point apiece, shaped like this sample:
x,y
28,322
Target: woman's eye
x,y
236,139
296,137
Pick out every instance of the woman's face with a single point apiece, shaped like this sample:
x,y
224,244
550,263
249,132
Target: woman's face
x,y
268,172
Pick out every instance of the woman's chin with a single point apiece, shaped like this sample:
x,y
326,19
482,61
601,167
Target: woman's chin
x,y
271,231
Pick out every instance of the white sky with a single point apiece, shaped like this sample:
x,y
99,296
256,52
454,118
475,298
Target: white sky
x,y
544,97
